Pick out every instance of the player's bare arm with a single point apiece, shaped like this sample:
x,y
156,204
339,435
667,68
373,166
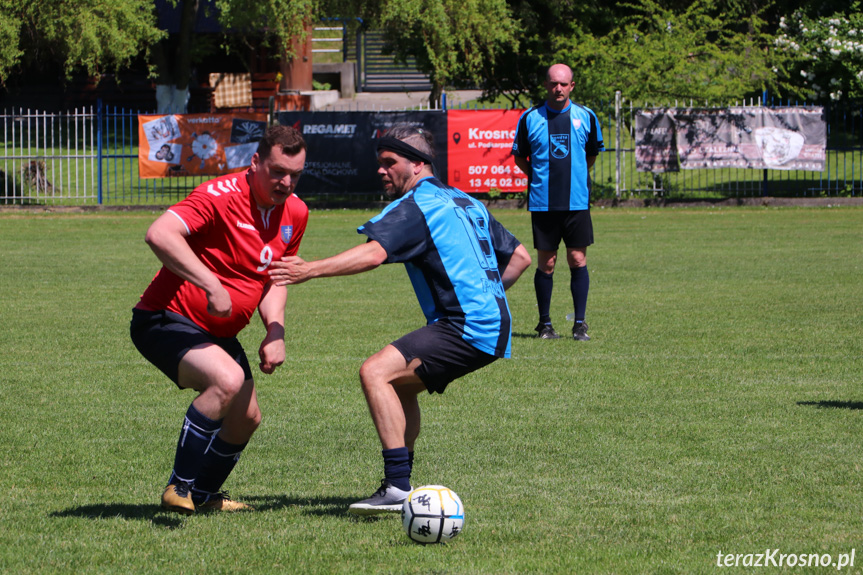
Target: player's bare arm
x,y
519,262
272,311
293,270
167,238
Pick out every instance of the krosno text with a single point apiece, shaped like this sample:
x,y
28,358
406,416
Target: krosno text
x,y
775,558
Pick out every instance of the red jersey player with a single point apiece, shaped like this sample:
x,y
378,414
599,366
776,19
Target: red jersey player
x,y
216,247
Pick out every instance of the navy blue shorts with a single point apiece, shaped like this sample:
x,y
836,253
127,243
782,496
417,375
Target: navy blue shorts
x,y
444,354
549,228
164,337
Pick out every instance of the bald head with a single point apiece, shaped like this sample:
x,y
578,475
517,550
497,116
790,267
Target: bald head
x,y
558,82
560,72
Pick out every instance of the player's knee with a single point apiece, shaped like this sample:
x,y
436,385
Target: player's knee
x,y
228,383
367,370
577,258
545,262
371,373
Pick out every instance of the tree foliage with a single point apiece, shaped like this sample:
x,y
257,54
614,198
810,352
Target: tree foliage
x,y
520,68
82,34
659,50
824,54
454,41
284,20
702,51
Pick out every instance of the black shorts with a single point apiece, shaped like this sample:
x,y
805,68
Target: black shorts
x,y
574,228
445,355
164,337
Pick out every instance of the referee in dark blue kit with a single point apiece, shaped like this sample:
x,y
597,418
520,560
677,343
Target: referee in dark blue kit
x,y
556,144
460,261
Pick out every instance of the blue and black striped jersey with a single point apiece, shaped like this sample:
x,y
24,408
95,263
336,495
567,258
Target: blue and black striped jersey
x,y
558,144
453,250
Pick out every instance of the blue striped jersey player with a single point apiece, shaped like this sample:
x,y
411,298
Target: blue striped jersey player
x,y
460,261
556,144
451,248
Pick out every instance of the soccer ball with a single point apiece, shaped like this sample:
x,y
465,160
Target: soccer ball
x,y
432,514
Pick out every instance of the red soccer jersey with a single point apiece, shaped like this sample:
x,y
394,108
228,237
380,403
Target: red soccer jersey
x,y
236,240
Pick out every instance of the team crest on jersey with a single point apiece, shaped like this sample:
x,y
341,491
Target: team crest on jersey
x,y
576,123
560,145
287,232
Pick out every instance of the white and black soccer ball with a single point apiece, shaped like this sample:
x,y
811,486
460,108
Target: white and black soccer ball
x,y
432,514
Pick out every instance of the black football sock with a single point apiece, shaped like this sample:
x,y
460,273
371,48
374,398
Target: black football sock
x,y
397,469
219,461
195,438
579,285
543,284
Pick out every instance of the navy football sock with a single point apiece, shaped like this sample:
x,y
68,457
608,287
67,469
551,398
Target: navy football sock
x,y
397,469
579,285
197,433
543,284
218,463
411,460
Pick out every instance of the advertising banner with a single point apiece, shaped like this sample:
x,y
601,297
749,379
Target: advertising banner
x,y
736,137
342,156
197,144
480,146
777,139
655,150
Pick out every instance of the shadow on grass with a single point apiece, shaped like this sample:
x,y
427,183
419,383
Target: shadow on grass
x,y
153,513
321,506
531,335
331,506
834,404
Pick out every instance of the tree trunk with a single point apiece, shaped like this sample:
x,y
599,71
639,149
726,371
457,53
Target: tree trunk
x,y
184,44
435,95
174,66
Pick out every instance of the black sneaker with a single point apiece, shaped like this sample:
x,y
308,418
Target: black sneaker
x,y
545,331
387,499
579,332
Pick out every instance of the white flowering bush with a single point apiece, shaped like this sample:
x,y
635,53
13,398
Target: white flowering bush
x,y
824,56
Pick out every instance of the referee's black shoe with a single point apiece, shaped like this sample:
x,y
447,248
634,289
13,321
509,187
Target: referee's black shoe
x,y
579,332
545,331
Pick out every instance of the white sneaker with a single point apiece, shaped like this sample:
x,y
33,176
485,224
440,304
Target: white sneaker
x,y
387,499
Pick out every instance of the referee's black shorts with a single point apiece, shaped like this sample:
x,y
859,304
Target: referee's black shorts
x,y
575,228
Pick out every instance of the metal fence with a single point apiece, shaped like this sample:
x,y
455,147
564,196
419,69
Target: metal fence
x,y
49,157
90,156
615,174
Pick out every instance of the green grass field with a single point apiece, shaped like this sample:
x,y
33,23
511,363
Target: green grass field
x,y
718,408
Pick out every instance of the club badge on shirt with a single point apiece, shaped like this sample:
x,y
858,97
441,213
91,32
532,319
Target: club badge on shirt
x,y
560,145
287,232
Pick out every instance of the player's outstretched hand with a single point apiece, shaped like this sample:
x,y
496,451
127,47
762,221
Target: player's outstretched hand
x,y
290,270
